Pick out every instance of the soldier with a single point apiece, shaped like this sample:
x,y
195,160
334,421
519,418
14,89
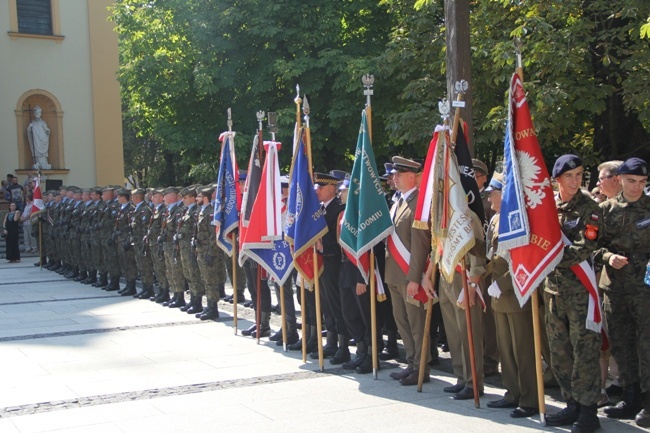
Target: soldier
x,y
514,324
185,232
65,236
156,242
409,313
140,222
96,209
575,350
85,255
207,252
106,229
625,241
124,242
53,220
173,264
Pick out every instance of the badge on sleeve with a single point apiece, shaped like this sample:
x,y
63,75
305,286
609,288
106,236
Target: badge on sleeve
x,y
591,232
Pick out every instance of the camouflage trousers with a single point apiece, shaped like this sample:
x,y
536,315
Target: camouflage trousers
x,y
109,255
575,351
145,265
97,252
191,269
174,268
158,262
239,271
629,331
127,261
212,272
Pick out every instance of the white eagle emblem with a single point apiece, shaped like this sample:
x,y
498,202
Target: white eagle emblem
x,y
530,170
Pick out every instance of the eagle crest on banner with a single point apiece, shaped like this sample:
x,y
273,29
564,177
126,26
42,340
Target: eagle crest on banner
x,y
530,171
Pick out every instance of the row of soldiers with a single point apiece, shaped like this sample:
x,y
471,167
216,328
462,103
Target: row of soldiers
x,y
98,235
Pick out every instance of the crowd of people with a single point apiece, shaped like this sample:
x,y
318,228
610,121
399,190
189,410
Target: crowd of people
x,y
166,238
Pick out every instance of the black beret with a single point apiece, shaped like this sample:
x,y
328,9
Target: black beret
x,y
635,166
565,163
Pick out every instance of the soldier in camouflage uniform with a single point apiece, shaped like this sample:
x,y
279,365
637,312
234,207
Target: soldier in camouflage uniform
x,y
575,350
140,221
81,254
156,243
207,253
53,216
64,228
46,231
106,233
88,223
173,263
185,232
97,238
124,242
71,222
625,242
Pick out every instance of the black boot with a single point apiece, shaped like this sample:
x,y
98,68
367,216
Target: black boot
x,y
145,293
330,347
197,305
113,285
292,335
178,301
265,326
249,331
642,419
129,290
92,278
74,273
629,406
566,416
184,307
222,291
169,301
82,275
277,336
210,313
162,297
362,354
587,420
343,353
366,365
391,351
102,281
310,331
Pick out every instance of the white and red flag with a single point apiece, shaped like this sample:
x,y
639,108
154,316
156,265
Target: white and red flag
x,y
38,203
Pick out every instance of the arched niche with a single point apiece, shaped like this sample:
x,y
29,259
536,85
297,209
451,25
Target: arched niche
x,y
52,114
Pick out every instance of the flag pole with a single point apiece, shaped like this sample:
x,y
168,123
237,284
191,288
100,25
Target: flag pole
x,y
258,289
319,319
234,254
40,228
303,306
426,335
461,87
368,82
534,297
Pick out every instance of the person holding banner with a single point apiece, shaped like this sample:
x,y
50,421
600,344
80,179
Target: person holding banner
x,y
410,246
625,252
572,307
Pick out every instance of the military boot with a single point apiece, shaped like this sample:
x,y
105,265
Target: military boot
x,y
62,269
168,302
265,326
145,293
309,330
391,351
56,266
113,285
185,307
102,281
92,277
566,416
629,406
277,336
330,348
196,305
130,289
292,335
366,365
249,331
82,275
642,419
162,297
179,302
362,354
343,353
210,313
74,273
587,421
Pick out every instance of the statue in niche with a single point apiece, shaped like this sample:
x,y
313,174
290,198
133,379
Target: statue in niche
x,y
38,135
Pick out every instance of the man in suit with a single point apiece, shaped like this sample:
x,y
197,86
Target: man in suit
x,y
404,283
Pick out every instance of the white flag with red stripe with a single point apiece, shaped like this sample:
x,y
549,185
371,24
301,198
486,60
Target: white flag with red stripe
x,y
38,203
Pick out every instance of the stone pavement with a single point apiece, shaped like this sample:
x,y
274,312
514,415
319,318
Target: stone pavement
x,y
78,359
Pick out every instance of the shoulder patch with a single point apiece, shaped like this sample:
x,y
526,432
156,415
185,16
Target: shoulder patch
x,y
591,232
594,217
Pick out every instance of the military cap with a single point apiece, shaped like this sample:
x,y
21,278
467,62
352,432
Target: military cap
x,y
188,191
401,165
108,188
480,166
206,190
124,192
635,166
139,191
325,179
565,163
169,190
388,166
496,183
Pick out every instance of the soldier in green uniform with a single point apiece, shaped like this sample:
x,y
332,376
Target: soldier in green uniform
x,y
156,245
124,242
64,233
625,242
54,212
83,250
514,324
108,237
173,263
140,222
45,218
89,220
207,253
97,238
185,232
575,350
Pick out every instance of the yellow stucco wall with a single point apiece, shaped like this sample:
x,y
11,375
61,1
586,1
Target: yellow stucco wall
x,y
79,70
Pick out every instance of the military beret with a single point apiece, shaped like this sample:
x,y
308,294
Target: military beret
x,y
124,192
108,188
139,191
635,166
63,187
188,191
480,166
73,188
206,190
158,191
325,179
96,190
150,190
56,193
169,190
496,183
565,163
401,165
388,166
86,190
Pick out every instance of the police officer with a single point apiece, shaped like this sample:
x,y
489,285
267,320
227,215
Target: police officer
x,y
139,223
575,350
625,252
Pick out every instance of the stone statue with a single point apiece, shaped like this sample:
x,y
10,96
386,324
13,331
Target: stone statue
x,y
38,135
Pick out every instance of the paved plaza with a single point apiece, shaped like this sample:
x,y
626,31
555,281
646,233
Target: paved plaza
x,y
78,359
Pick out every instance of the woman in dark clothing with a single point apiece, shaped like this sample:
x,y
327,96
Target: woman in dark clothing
x,y
10,228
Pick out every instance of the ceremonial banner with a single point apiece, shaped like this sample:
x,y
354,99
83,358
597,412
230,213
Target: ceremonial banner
x,y
305,222
366,220
251,187
529,231
228,198
467,178
263,241
425,199
38,203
